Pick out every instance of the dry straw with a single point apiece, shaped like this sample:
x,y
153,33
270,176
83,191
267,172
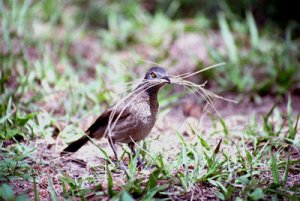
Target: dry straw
x,y
197,89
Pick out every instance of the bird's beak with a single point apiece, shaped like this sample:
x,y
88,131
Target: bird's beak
x,y
167,79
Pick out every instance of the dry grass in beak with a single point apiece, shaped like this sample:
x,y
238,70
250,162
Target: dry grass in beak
x,y
146,84
196,89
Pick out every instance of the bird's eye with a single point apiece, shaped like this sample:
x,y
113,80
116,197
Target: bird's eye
x,y
153,75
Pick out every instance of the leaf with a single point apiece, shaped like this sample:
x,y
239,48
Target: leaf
x,y
217,149
257,194
8,111
11,132
22,197
290,118
8,108
253,30
125,196
64,189
292,130
218,184
219,195
101,149
182,140
52,191
132,165
274,169
286,171
36,192
296,127
249,156
23,120
153,191
110,182
266,126
225,128
203,143
6,192
152,182
228,39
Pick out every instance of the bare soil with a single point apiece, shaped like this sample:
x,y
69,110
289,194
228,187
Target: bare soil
x,y
89,162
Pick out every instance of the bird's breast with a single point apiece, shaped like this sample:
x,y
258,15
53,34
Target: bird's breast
x,y
138,125
145,117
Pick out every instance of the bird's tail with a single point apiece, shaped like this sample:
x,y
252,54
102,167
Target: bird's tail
x,y
74,146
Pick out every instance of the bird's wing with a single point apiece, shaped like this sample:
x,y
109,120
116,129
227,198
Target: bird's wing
x,y
103,119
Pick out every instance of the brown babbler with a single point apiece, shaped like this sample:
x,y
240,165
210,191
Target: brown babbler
x,y
131,120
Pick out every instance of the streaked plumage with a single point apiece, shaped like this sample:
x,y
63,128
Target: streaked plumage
x,y
135,121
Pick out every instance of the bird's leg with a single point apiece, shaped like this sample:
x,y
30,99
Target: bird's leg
x,y
112,145
139,160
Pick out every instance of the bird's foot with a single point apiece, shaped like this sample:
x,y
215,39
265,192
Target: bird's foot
x,y
140,163
119,164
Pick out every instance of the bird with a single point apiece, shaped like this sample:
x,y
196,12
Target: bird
x,y
129,120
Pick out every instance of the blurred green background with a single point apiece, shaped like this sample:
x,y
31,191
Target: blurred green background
x,y
78,52
259,40
62,63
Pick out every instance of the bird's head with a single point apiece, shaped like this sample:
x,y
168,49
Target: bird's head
x,y
157,74
155,78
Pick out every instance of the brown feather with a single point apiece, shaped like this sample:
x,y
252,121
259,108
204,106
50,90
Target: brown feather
x,y
93,131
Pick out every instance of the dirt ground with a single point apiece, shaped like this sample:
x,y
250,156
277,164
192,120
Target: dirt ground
x,y
89,162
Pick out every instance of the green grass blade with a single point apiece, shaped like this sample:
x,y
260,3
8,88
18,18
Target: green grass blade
x,y
51,190
125,196
274,168
228,39
101,149
22,197
292,129
8,111
217,149
225,128
253,30
257,194
296,127
153,191
6,192
290,118
203,143
286,171
110,182
266,126
35,187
